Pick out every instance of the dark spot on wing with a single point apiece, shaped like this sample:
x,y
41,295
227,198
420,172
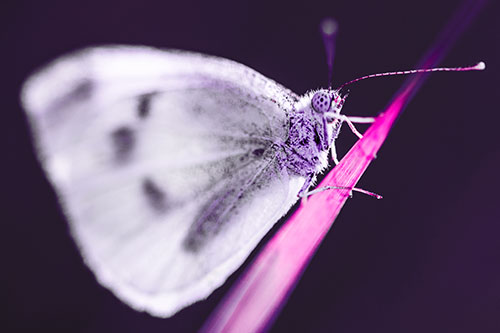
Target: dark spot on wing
x,y
155,196
123,140
144,105
258,152
83,90
79,92
197,109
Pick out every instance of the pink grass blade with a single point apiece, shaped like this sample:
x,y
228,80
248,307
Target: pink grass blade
x,y
257,297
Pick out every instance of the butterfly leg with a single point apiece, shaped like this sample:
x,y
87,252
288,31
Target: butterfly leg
x,y
360,120
351,189
353,129
351,120
304,190
334,153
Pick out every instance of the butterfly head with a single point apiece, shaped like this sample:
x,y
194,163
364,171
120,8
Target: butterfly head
x,y
327,101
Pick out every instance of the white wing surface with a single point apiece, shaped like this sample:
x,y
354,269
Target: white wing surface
x,y
165,165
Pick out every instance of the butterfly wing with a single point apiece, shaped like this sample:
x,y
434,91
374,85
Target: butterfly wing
x,y
165,163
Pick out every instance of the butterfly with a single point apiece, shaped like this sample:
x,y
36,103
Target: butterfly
x,y
171,166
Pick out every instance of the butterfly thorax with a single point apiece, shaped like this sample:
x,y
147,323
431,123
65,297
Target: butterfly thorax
x,y
309,139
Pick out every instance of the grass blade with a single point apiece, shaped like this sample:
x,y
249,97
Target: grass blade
x,y
257,297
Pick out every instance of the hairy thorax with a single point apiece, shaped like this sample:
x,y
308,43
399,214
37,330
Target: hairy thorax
x,y
306,147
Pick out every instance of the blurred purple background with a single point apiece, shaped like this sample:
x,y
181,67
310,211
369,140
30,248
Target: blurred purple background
x,y
426,258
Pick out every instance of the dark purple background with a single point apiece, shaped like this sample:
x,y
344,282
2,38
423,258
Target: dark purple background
x,y
424,259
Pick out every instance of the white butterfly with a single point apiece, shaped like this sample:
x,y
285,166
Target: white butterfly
x,y
171,166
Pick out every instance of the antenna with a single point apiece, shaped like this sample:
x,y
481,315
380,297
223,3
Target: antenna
x,y
478,67
328,29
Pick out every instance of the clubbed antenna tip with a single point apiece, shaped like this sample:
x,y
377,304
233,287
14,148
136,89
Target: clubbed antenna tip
x,y
480,66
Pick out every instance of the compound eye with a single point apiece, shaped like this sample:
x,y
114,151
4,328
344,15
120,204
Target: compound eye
x,y
321,101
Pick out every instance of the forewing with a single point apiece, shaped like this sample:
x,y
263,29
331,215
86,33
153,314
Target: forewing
x,y
165,164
